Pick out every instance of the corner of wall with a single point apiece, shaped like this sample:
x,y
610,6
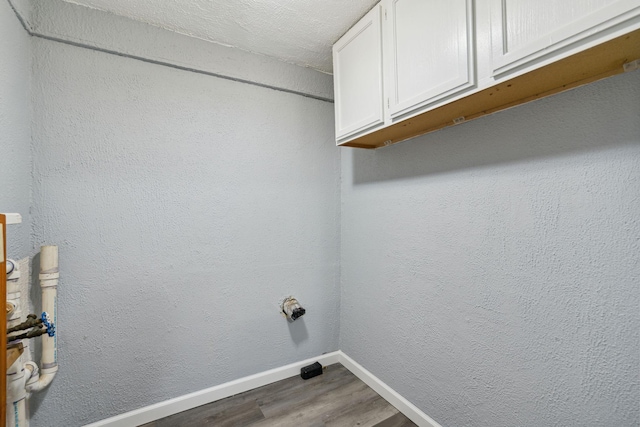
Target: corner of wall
x,y
15,83
24,11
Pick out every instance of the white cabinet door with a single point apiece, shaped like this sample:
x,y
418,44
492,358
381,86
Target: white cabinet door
x,y
430,52
525,31
357,70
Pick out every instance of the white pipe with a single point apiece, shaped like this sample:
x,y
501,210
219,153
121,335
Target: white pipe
x,y
13,293
49,275
16,375
16,396
24,376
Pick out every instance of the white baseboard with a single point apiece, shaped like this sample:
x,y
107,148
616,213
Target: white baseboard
x,y
202,397
387,393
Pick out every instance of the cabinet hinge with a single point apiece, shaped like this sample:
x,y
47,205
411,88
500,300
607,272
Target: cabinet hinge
x,y
385,14
388,106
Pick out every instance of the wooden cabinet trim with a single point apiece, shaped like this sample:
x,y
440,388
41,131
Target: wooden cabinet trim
x,y
3,319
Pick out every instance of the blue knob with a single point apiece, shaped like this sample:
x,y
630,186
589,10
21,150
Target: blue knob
x,y
46,321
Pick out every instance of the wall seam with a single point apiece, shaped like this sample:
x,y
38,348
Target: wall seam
x,y
161,63
177,67
22,21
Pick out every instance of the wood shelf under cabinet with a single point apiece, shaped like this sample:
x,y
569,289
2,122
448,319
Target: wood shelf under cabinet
x,y
598,62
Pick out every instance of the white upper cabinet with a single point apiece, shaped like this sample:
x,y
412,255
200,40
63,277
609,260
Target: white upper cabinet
x,y
357,67
414,66
525,31
429,51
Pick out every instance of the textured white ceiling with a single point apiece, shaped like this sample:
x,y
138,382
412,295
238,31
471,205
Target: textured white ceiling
x,y
297,31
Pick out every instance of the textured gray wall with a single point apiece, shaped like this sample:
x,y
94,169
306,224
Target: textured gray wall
x,y
15,128
185,207
490,271
81,26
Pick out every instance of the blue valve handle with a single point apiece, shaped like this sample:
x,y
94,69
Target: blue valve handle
x,y
46,321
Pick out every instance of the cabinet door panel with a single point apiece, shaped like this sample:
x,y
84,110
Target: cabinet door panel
x,y
431,51
357,65
524,31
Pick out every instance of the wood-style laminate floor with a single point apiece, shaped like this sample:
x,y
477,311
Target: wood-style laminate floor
x,y
336,398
